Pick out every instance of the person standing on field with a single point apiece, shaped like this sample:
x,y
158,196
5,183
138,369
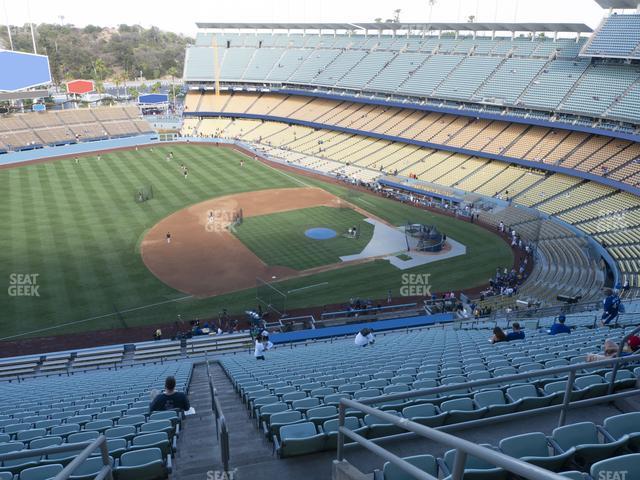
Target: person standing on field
x,y
168,237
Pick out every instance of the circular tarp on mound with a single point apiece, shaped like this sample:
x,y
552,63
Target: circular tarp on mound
x,y
320,233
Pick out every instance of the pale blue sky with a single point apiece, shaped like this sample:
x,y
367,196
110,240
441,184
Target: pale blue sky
x,y
181,16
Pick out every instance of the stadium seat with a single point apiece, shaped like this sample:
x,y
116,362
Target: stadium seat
x,y
116,447
42,472
126,431
45,442
624,463
380,428
133,420
267,410
495,403
300,439
158,426
425,414
474,468
305,404
583,437
319,415
152,440
278,420
426,463
461,410
628,424
330,428
18,464
98,425
591,386
6,476
624,379
534,448
65,429
89,468
528,394
145,464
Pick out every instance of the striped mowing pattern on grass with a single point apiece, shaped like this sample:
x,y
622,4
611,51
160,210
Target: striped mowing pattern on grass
x,y
279,238
78,227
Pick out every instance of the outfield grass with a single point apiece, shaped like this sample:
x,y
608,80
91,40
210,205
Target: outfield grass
x,y
78,228
265,236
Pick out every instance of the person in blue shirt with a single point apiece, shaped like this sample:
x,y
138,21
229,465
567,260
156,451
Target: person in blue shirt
x,y
611,307
559,326
515,333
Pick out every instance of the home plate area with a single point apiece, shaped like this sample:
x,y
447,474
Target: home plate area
x,y
400,248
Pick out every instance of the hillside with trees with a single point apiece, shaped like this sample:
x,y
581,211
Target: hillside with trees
x,y
99,53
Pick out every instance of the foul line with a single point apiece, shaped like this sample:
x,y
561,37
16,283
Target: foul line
x,y
106,315
307,287
284,173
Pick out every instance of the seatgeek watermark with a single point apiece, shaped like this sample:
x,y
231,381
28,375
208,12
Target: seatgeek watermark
x,y
218,221
23,285
612,475
221,474
415,285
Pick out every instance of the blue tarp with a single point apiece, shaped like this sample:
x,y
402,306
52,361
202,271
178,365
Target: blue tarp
x,y
153,98
353,328
23,70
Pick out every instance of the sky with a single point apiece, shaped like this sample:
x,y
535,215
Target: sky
x,y
181,16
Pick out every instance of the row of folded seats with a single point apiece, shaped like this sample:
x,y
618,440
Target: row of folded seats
x,y
110,403
302,426
578,451
280,394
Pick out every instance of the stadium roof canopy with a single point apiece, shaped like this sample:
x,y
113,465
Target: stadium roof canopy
x,y
618,3
464,26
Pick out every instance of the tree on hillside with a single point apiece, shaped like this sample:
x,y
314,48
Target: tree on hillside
x,y
74,52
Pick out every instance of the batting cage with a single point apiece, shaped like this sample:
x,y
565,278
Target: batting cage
x,y
142,194
271,297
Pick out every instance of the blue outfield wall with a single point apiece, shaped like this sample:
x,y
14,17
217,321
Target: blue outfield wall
x,y
435,146
353,328
77,149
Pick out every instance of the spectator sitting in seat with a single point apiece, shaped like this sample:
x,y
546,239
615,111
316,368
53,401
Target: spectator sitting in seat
x,y
515,333
610,350
157,334
169,399
498,336
365,337
559,326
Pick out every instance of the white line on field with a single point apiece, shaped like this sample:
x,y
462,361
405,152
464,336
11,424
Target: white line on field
x,y
106,315
307,287
287,175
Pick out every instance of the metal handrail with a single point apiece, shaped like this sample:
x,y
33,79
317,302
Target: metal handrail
x,y
106,472
463,447
502,379
624,341
372,310
222,432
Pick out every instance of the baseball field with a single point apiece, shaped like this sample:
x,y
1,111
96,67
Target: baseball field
x,y
79,253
